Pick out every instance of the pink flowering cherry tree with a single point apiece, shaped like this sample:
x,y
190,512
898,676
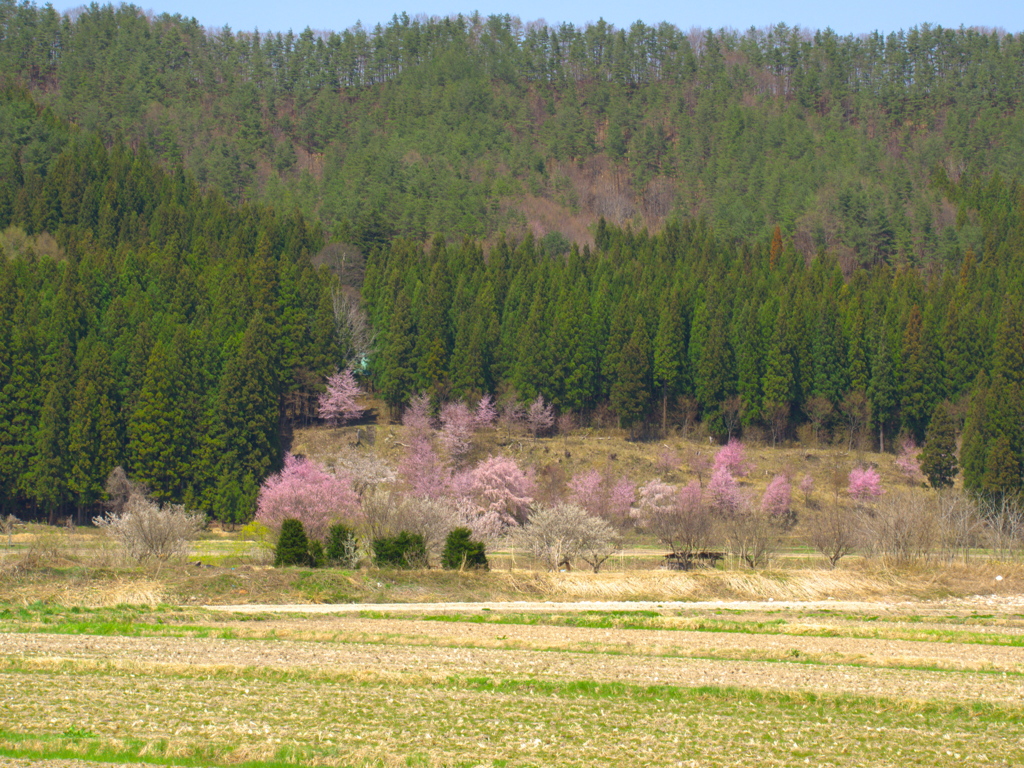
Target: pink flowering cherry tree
x,y
733,458
457,425
865,485
602,495
778,498
307,492
338,404
908,461
485,414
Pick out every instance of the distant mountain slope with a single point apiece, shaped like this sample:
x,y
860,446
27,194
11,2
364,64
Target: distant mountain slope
x,y
475,125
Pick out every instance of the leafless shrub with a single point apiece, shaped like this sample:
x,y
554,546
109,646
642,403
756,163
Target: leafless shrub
x,y
834,532
1004,527
7,524
562,533
753,535
48,545
383,511
903,528
433,519
149,530
960,523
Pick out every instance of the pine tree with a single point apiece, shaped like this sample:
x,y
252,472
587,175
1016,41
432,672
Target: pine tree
x,y
914,394
631,391
396,371
882,391
1002,469
938,457
668,355
975,436
247,406
93,444
160,434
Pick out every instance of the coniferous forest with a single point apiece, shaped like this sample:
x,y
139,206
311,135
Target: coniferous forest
x,y
758,230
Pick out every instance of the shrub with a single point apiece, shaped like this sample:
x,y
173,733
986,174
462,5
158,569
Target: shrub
x,y
292,545
461,553
406,550
148,530
342,548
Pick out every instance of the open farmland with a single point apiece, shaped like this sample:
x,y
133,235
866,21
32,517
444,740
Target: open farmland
x,y
929,683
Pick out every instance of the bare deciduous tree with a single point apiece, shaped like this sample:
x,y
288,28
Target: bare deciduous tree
x,y
562,533
352,325
753,535
960,523
834,532
149,530
120,488
903,527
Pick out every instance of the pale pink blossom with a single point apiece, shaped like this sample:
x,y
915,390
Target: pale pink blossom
x,y
733,458
304,490
778,497
338,404
486,414
456,428
540,417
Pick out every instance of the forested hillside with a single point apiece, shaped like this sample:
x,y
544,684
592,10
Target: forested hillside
x,y
145,324
766,232
473,125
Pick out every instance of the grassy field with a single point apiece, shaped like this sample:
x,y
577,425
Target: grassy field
x,y
185,686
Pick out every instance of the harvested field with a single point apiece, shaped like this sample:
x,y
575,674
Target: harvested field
x,y
937,683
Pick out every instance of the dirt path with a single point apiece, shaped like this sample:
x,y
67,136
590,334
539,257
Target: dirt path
x,y
1012,604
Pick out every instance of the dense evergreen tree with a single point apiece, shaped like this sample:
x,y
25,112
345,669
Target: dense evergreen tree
x,y
938,457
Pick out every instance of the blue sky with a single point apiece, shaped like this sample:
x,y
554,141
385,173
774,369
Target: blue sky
x,y
845,18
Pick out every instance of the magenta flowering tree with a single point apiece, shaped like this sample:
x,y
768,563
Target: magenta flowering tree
x,y
865,485
540,417
807,488
304,490
908,461
338,403
723,491
486,414
733,458
778,497
457,424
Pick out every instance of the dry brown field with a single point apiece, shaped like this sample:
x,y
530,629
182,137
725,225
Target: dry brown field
x,y
589,680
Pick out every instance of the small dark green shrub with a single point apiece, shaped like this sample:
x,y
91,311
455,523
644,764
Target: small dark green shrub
x,y
460,552
317,558
342,548
406,550
292,545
